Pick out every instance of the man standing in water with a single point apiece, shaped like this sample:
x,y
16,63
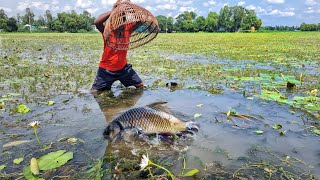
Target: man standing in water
x,y
113,65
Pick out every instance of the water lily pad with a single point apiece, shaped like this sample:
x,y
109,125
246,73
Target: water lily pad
x,y
317,131
28,174
200,105
54,159
23,109
312,106
259,131
2,167
274,96
191,173
18,160
72,140
197,115
50,103
244,78
277,127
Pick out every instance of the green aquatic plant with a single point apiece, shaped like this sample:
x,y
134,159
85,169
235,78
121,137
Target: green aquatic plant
x,y
23,109
34,126
49,161
145,162
18,160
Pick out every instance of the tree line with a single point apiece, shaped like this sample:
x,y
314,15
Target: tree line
x,y
64,22
229,19
302,27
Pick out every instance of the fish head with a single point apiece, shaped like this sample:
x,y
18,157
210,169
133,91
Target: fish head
x,y
192,126
112,131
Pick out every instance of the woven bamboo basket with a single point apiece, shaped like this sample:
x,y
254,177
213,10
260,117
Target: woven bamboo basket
x,y
129,26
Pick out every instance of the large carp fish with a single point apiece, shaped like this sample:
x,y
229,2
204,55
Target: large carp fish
x,y
151,119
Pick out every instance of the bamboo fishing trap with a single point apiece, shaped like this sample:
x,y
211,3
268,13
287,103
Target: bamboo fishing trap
x,y
129,26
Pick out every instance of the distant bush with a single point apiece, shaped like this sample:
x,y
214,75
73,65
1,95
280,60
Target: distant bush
x,y
82,31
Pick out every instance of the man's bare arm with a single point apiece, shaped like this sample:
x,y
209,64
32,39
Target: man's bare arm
x,y
100,20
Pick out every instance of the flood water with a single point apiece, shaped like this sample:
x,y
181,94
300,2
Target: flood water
x,y
224,148
220,140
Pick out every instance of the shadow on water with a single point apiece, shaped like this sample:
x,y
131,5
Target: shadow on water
x,y
223,147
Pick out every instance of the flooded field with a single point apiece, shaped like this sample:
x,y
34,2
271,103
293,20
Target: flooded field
x,y
257,104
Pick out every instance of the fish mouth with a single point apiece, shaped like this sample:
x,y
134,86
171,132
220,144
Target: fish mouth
x,y
192,127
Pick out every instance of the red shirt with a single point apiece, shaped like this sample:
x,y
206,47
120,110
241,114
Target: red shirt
x,y
114,60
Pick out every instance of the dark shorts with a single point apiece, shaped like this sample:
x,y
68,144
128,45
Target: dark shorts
x,y
104,79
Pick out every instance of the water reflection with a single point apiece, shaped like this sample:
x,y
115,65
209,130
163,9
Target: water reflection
x,y
113,102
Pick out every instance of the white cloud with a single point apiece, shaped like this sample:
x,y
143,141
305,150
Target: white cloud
x,y
6,10
241,3
277,12
92,10
108,2
276,1
22,5
185,3
311,10
167,7
84,4
151,8
310,2
55,2
40,5
138,1
182,9
67,8
212,2
251,7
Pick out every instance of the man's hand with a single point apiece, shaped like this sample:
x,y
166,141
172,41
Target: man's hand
x,y
101,19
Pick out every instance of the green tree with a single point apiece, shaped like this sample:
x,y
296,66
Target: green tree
x,y
57,26
162,22
49,19
251,20
170,24
3,20
28,18
211,23
85,21
19,19
200,23
185,22
238,16
12,24
40,21
225,20
308,27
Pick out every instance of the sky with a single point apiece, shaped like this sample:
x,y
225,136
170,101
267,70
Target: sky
x,y
272,12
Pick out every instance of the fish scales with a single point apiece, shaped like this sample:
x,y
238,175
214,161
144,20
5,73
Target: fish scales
x,y
149,120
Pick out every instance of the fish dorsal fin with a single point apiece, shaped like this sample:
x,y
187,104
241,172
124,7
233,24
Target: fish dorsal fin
x,y
160,106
